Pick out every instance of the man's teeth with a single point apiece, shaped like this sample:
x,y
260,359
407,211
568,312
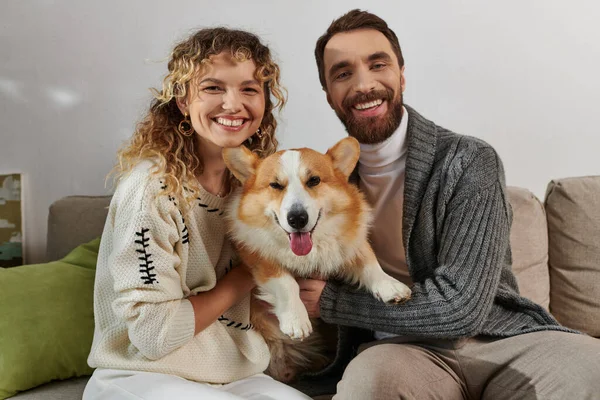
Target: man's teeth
x,y
230,122
371,104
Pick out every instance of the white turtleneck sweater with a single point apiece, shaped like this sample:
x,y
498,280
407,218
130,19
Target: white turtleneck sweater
x,y
381,168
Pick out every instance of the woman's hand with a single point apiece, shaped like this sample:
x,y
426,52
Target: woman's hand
x,y
242,277
210,305
310,294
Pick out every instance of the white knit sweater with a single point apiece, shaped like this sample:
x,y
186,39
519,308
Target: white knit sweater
x,y
151,259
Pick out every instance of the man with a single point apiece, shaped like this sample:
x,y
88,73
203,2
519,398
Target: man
x,y
441,224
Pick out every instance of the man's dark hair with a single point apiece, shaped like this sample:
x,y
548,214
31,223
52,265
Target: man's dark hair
x,y
352,20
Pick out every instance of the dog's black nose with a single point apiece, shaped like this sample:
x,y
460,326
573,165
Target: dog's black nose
x,y
297,218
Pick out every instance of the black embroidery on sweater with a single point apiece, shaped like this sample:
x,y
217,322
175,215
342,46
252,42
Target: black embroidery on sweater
x,y
234,324
227,321
205,206
185,236
146,269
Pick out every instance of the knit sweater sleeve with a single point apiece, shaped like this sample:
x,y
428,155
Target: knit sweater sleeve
x,y
144,268
455,299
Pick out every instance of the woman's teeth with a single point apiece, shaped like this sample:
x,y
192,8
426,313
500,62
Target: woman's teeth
x,y
371,104
230,122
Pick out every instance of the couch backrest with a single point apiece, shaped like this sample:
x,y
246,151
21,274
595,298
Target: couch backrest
x,y
556,250
556,259
74,220
78,219
529,244
573,209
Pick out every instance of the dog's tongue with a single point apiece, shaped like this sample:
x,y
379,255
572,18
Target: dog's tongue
x,y
301,243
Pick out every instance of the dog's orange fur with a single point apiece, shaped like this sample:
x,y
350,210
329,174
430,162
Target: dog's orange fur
x,y
263,269
340,234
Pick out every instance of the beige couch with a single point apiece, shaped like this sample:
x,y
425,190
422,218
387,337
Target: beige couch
x,y
556,254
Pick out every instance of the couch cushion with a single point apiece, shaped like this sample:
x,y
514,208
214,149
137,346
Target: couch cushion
x,y
573,208
47,320
529,243
70,389
74,220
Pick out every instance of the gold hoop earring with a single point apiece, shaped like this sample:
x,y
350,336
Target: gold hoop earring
x,y
185,126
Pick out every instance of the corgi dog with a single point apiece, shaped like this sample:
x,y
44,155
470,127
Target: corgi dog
x,y
296,215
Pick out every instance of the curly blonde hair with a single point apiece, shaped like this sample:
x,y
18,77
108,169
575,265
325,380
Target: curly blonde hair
x,y
156,135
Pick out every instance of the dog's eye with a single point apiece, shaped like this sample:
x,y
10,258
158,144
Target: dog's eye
x,y
313,181
276,186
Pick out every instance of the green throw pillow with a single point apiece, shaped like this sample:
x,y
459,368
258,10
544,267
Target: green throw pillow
x,y
46,320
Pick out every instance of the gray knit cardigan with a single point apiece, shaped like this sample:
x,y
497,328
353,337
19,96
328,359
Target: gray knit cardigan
x,y
456,228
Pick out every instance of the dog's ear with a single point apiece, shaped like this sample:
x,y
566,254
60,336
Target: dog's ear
x,y
240,161
345,155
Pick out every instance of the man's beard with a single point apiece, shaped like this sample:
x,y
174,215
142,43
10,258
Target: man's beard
x,y
371,130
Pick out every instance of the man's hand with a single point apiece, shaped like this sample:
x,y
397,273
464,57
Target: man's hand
x,y
310,294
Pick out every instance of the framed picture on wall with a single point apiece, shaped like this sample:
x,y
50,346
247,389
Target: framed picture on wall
x,y
11,224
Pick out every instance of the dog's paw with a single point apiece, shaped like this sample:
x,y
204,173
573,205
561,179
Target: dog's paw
x,y
295,324
391,291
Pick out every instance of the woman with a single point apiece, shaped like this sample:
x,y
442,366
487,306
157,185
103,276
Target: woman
x,y
171,305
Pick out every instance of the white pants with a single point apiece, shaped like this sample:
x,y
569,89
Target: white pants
x,y
120,384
